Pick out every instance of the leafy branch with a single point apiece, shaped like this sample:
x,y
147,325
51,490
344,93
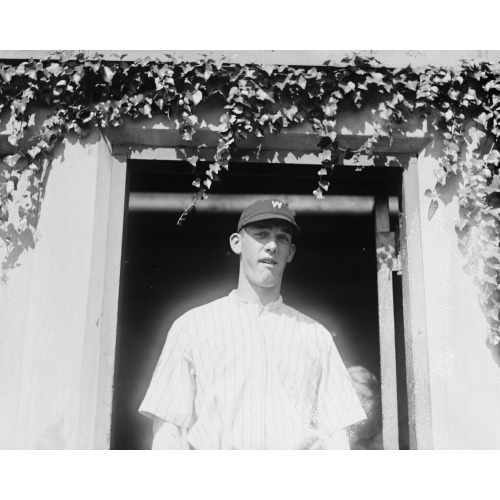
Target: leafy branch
x,y
45,100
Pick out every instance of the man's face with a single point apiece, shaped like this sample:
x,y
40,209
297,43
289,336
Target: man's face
x,y
266,248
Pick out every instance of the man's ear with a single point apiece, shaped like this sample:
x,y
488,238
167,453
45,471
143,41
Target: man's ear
x,y
291,254
235,243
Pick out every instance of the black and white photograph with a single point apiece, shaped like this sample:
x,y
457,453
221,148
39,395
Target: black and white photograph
x,y
250,250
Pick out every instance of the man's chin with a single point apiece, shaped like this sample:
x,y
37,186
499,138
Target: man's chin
x,y
267,283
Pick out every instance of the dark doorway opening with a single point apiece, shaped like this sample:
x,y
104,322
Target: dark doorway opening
x,y
170,269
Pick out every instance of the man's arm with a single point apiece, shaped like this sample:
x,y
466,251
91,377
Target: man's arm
x,y
168,436
170,395
338,404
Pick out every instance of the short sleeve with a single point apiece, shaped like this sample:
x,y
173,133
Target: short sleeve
x,y
338,405
171,392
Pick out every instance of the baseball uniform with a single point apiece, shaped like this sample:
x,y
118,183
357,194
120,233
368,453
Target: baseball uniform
x,y
238,375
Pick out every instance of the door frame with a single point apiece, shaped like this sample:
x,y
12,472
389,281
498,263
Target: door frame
x,y
139,141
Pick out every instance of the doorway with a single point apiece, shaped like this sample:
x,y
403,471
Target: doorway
x,y
169,269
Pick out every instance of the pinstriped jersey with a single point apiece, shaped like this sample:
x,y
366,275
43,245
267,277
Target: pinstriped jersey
x,y
238,375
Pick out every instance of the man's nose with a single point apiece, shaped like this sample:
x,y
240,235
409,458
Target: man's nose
x,y
271,245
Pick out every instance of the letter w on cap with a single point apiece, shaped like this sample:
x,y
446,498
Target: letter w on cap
x,y
276,204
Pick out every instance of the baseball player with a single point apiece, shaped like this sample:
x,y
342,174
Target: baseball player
x,y
247,371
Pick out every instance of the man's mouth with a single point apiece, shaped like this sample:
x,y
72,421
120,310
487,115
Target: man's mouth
x,y
271,262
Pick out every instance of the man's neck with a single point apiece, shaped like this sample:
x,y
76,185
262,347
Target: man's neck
x,y
257,294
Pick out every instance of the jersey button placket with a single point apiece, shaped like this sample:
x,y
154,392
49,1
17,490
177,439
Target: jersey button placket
x,y
263,319
256,378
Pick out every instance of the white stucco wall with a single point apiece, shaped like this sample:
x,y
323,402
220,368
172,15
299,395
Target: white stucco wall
x,y
46,365
464,379
50,342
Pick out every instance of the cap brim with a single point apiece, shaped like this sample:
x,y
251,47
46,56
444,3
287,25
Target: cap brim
x,y
262,217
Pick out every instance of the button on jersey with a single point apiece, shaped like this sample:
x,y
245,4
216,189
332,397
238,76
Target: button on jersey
x,y
241,376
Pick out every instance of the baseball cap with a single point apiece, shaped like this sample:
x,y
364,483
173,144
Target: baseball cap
x,y
268,209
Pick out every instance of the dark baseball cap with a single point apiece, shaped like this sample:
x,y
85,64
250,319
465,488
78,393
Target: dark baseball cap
x,y
268,209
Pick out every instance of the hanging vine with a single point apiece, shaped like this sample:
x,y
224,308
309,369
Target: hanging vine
x,y
44,100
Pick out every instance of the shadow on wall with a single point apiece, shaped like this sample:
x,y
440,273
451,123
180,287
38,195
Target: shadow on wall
x,y
27,188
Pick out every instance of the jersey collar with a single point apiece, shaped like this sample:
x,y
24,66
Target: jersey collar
x,y
272,306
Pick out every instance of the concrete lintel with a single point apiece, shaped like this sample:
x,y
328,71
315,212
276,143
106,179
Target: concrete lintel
x,y
389,58
133,140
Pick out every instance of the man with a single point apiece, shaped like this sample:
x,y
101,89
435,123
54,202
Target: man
x,y
246,371
367,435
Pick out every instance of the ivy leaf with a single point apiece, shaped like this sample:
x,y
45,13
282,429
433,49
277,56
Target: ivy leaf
x,y
433,206
494,186
412,85
461,224
146,110
483,119
326,155
10,186
34,151
302,82
14,137
493,157
440,174
325,142
196,96
192,120
452,146
330,109
448,115
313,72
215,167
193,160
7,73
54,69
290,112
94,65
349,153
11,160
476,135
376,78
268,68
263,96
347,88
187,134
319,194
108,74
470,95
4,213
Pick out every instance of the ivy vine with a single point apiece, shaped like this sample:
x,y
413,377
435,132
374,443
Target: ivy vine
x,y
80,93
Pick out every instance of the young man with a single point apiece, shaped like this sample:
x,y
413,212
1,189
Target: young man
x,y
246,371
